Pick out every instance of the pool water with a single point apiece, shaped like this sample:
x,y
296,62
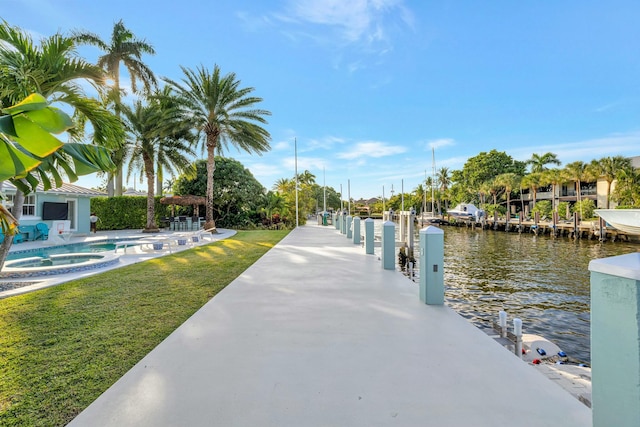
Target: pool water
x,y
74,248
53,261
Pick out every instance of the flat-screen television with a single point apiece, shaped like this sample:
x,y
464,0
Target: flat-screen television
x,y
55,211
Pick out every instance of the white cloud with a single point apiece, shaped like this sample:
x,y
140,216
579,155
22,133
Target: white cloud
x,y
360,23
624,144
373,149
439,143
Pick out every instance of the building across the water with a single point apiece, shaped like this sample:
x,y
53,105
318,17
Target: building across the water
x,y
566,192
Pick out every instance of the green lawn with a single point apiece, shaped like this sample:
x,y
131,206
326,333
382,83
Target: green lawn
x,y
61,347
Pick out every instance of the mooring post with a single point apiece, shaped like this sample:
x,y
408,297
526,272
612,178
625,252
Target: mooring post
x,y
410,228
517,331
432,265
356,230
343,225
336,223
339,221
389,245
502,322
349,230
576,225
368,236
615,334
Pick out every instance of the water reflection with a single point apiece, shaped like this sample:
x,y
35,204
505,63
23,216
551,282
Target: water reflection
x,y
542,280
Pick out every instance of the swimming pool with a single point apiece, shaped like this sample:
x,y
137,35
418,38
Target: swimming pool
x,y
45,252
61,259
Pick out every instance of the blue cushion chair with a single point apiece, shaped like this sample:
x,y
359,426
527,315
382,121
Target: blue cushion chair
x,y
42,231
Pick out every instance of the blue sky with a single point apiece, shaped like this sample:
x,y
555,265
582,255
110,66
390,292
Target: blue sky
x,y
367,87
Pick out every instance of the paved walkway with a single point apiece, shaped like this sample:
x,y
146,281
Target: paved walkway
x,y
316,333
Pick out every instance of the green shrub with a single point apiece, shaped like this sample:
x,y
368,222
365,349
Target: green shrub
x,y
585,208
125,212
543,207
562,210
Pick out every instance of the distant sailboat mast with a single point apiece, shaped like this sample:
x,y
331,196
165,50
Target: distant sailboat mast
x,y
433,182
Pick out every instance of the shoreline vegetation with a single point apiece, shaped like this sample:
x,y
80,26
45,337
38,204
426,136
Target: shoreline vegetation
x,y
63,346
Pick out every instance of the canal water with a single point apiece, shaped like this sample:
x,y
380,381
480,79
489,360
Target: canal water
x,y
542,280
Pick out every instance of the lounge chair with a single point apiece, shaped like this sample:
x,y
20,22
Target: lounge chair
x,y
42,231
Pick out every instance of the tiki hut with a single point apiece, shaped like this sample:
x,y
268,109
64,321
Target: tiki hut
x,y
187,200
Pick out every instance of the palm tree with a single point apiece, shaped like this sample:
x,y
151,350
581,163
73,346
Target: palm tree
x,y
577,172
283,185
508,181
275,203
539,162
444,180
123,49
554,177
224,114
153,131
627,191
607,168
532,181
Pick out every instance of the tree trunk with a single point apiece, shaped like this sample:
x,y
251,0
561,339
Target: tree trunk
x,y
14,219
151,227
211,167
110,188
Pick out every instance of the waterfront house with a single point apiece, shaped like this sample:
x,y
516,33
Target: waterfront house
x,y
68,202
566,192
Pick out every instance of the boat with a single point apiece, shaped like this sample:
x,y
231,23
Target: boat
x,y
466,211
627,220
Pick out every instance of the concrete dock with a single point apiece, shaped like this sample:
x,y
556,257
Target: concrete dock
x,y
317,333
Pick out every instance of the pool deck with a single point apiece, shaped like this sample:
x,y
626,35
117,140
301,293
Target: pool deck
x,y
317,333
132,256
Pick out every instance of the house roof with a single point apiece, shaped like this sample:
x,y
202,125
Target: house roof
x,y
65,189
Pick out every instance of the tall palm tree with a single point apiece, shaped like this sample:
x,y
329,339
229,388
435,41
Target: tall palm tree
x,y
509,181
126,49
607,168
577,172
223,113
533,181
283,185
554,177
539,162
443,178
54,70
153,131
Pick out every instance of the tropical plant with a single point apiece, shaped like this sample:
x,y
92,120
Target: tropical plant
x,y
275,204
54,70
607,168
577,172
544,207
533,181
223,113
155,134
30,154
553,177
123,49
564,210
238,196
539,162
509,181
627,190
586,207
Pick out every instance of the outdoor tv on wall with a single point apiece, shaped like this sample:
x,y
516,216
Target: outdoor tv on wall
x,y
55,211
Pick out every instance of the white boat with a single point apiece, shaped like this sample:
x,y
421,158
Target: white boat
x,y
627,220
466,211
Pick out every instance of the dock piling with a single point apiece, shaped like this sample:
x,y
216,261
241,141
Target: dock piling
x,y
502,322
349,230
432,265
517,331
356,230
389,245
615,334
368,236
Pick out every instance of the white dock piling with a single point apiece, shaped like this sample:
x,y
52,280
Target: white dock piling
x,y
389,245
517,331
368,236
356,230
432,265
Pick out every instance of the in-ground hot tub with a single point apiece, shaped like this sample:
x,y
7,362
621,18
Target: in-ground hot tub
x,y
56,264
